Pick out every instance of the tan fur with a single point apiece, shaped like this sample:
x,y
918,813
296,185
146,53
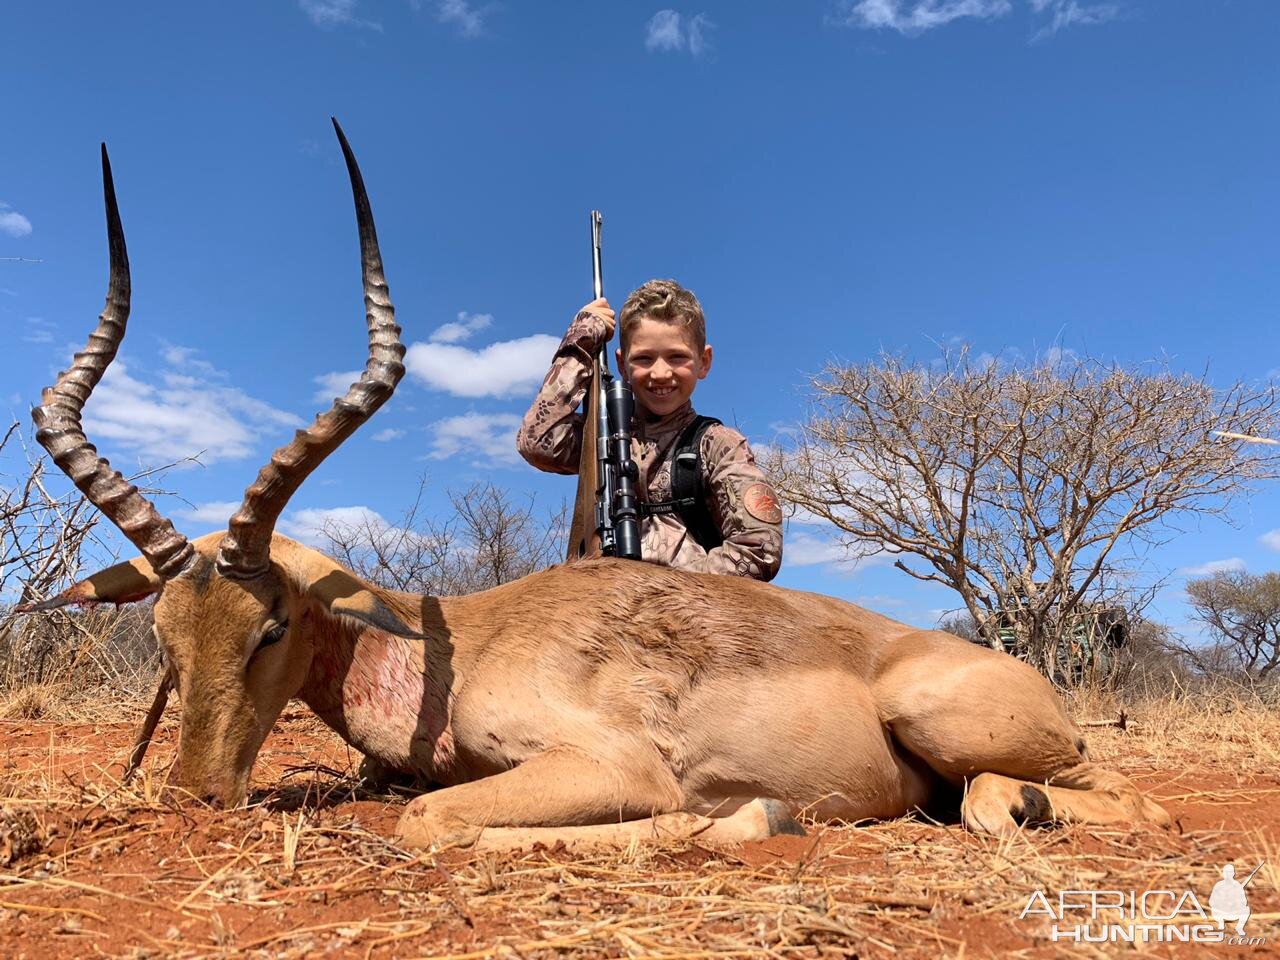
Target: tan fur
x,y
607,692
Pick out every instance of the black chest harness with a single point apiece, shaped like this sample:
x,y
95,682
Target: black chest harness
x,y
688,494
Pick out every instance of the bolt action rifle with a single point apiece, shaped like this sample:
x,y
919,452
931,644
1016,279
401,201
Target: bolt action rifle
x,y
606,514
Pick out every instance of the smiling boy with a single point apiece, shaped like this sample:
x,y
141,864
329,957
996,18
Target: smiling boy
x,y
727,519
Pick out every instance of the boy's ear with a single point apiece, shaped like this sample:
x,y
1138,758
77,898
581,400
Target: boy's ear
x,y
706,362
622,364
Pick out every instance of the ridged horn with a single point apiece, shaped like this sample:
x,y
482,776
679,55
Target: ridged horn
x,y
245,550
58,426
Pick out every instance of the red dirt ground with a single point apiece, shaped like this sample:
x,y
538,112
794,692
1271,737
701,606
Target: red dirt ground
x,y
88,869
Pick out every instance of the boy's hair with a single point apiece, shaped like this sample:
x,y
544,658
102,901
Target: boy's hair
x,y
667,301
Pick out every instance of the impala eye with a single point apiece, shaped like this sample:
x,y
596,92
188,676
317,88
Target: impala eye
x,y
274,635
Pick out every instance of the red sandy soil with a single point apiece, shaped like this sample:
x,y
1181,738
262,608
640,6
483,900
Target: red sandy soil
x,y
89,869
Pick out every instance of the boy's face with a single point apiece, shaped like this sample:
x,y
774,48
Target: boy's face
x,y
663,365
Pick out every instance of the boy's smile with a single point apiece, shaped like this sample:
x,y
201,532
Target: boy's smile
x,y
662,365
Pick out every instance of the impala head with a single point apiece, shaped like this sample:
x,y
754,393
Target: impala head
x,y
229,604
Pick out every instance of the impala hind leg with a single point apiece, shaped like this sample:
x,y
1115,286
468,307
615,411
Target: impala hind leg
x,y
997,804
565,796
985,720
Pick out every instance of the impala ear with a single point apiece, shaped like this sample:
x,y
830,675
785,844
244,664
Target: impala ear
x,y
345,595
123,583
368,609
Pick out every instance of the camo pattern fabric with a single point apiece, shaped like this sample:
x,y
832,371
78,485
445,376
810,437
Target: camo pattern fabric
x,y
742,503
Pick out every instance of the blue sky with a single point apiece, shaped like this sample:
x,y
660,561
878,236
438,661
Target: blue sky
x,y
832,178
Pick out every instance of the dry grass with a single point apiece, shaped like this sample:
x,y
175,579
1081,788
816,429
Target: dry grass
x,y
97,868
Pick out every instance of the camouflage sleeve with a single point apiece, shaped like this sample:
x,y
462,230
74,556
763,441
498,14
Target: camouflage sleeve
x,y
744,505
550,437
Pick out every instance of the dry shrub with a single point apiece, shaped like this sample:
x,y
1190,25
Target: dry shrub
x,y
31,702
49,536
78,651
1211,724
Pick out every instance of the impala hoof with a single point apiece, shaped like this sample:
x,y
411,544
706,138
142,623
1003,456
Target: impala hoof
x,y
778,816
420,826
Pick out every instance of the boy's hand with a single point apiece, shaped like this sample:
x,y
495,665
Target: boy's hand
x,y
600,308
591,328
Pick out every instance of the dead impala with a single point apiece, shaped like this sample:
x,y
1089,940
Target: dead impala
x,y
594,701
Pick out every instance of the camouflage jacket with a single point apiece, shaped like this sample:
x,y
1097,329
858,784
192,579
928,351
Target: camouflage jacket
x,y
742,503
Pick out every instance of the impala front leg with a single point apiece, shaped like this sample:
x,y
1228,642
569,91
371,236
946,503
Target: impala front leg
x,y
560,787
566,796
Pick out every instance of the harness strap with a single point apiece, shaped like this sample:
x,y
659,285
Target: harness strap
x,y
688,499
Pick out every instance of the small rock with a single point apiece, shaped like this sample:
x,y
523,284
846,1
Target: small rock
x,y
71,924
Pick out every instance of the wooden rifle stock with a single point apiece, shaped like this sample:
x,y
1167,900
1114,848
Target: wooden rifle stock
x,y
584,538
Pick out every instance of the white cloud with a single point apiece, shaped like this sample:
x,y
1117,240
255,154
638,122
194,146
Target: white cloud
x,y
807,550
810,540
699,26
334,385
467,19
501,369
1071,13
1232,565
307,526
912,17
215,513
663,31
1271,539
190,410
669,31
335,13
878,601
462,328
185,358
39,330
915,16
12,222
390,433
489,439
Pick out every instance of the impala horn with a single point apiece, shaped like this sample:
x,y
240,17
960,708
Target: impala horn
x,y
58,426
245,550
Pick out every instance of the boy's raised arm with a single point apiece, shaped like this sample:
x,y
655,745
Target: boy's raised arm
x,y
550,437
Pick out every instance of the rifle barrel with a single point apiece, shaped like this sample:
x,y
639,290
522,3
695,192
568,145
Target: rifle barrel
x,y
597,271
